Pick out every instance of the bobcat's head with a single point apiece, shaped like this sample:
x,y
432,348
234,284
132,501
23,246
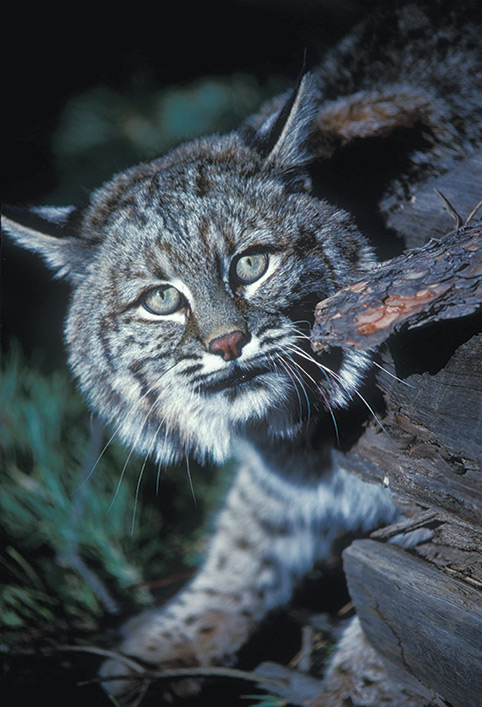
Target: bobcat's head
x,y
194,281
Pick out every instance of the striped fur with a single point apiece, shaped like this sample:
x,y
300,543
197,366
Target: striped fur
x,y
180,226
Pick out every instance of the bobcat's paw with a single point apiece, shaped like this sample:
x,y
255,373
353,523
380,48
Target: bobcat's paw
x,y
121,675
163,644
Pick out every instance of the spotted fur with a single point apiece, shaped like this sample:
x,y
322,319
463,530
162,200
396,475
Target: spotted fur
x,y
224,365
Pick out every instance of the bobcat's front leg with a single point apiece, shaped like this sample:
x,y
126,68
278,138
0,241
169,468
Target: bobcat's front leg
x,y
250,568
269,534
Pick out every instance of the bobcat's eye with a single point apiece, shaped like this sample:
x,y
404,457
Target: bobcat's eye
x,y
249,268
163,300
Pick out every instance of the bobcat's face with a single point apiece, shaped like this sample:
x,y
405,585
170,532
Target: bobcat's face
x,y
195,279
190,322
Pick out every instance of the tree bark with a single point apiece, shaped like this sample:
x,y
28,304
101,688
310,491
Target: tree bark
x,y
441,280
421,311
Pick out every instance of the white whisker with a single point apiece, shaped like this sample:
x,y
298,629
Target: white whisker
x,y
158,477
97,461
133,447
298,351
188,469
357,393
319,390
138,486
392,375
295,377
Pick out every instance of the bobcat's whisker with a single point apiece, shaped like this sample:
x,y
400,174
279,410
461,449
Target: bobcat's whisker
x,y
295,377
87,478
299,352
146,457
321,392
360,396
158,477
189,476
275,362
392,375
136,440
329,372
136,498
116,431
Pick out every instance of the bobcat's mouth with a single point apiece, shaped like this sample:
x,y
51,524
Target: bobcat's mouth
x,y
235,380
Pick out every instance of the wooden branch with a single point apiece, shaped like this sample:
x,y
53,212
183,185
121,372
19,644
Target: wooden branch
x,y
426,626
420,607
421,217
441,280
288,684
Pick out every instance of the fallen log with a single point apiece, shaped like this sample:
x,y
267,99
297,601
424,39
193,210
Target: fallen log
x,y
421,313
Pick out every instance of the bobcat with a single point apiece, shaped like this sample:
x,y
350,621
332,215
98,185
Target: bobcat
x,y
194,282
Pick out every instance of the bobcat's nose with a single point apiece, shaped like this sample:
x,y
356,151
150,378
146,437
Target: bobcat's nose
x,y
229,346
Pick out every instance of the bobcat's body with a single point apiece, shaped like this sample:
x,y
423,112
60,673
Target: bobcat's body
x,y
195,278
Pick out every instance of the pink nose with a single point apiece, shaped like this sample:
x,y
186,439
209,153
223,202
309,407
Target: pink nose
x,y
229,346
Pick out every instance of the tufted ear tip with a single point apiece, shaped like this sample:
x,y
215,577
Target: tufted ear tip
x,y
283,137
53,233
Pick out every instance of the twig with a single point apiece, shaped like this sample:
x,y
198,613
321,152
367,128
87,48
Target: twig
x,y
449,208
407,525
142,673
211,672
473,212
304,663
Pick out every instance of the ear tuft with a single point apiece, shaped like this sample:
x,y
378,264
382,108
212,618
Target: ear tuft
x,y
283,137
53,233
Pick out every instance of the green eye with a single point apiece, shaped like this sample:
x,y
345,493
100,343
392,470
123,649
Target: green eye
x,y
249,268
162,300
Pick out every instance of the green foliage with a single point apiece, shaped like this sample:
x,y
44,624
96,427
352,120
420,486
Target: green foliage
x,y
82,533
104,130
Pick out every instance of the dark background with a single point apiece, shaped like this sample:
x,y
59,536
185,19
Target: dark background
x,y
50,59
52,56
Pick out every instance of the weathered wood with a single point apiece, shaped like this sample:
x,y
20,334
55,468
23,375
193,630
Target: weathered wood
x,y
450,546
422,608
431,443
441,280
441,407
422,218
424,623
456,549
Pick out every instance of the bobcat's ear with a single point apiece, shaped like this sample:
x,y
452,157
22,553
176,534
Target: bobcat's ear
x,y
53,233
283,137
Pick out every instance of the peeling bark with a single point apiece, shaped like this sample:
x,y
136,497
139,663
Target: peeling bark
x,y
441,280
